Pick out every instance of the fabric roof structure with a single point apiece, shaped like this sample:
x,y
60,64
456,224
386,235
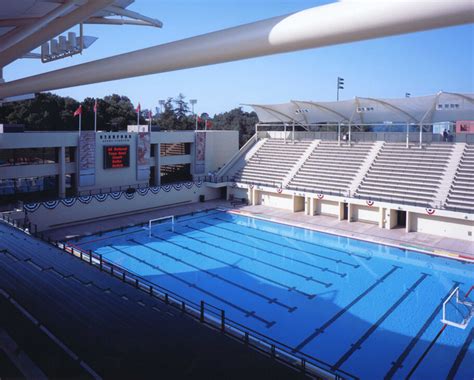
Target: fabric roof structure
x,y
441,107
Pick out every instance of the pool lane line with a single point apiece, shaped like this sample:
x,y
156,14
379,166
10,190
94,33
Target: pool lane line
x,y
460,357
425,353
247,313
337,261
322,269
138,225
460,257
397,364
341,312
235,266
214,275
357,345
295,239
307,278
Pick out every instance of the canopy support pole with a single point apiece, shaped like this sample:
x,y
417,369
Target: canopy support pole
x,y
339,134
421,136
408,136
284,133
350,136
293,133
256,132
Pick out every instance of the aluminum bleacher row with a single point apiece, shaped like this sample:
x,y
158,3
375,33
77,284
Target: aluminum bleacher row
x,y
117,330
272,162
461,194
406,175
331,167
391,172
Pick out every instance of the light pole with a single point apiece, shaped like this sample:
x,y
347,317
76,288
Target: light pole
x,y
162,104
340,86
193,102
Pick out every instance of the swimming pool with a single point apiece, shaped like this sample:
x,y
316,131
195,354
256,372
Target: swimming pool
x,y
367,309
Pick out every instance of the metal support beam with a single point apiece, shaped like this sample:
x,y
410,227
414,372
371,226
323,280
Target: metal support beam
x,y
27,31
51,30
325,25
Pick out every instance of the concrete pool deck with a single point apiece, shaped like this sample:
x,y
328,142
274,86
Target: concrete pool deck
x,y
431,244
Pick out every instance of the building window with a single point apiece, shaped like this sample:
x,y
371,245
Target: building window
x,y
178,149
175,173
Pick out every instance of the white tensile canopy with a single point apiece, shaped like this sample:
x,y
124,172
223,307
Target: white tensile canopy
x,y
441,107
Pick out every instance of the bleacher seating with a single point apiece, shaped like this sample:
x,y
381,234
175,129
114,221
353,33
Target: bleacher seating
x,y
116,329
406,175
461,194
331,168
272,162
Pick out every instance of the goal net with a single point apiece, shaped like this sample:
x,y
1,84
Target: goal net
x,y
458,310
164,220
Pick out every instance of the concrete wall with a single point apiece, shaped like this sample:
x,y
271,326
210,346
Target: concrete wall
x,y
327,208
365,214
442,226
221,146
79,212
282,201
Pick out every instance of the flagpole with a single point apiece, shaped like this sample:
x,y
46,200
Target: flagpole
x,y
138,115
80,123
95,116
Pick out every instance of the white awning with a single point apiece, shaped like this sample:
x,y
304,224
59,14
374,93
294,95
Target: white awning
x,y
441,107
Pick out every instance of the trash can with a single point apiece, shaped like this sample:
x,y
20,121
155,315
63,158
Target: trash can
x,y
201,198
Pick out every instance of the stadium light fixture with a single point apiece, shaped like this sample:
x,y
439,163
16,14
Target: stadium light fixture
x,y
340,86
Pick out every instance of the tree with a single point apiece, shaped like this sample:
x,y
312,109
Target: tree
x,y
238,120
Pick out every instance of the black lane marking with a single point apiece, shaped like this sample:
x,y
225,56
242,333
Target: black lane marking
x,y
307,278
214,275
298,240
461,355
425,353
341,312
357,345
247,313
322,269
235,266
337,261
397,364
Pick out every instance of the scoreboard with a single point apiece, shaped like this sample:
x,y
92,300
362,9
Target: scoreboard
x,y
116,156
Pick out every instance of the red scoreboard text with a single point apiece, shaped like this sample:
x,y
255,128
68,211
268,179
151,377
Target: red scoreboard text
x,y
116,156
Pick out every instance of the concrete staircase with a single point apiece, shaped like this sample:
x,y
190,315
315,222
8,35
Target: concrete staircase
x,y
461,194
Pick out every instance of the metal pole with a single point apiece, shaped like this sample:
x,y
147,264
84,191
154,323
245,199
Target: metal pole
x,y
350,130
408,136
284,133
293,133
339,134
421,135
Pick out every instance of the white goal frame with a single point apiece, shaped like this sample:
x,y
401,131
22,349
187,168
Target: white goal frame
x,y
150,222
470,306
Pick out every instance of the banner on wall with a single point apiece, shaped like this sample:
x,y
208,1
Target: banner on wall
x,y
143,156
87,158
200,159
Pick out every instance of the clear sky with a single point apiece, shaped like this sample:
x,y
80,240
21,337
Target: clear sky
x,y
420,63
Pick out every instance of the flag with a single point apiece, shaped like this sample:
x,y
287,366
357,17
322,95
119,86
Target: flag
x,y
78,111
208,124
95,106
138,109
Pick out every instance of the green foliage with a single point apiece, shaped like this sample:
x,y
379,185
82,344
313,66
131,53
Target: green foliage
x,y
49,112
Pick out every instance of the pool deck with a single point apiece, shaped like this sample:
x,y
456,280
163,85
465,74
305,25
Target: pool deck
x,y
431,244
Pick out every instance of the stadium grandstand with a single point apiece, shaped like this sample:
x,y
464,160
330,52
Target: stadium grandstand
x,y
336,243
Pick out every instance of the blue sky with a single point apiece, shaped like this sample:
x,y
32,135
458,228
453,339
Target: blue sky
x,y
420,63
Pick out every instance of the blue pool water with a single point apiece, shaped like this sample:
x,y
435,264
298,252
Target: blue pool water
x,y
364,308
